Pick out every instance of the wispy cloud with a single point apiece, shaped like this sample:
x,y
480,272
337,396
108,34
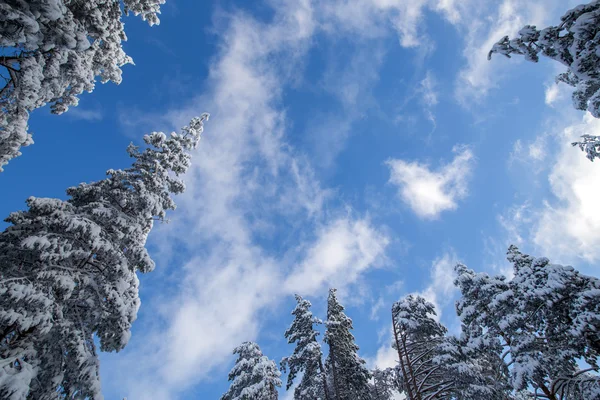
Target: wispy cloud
x,y
479,23
370,18
429,96
245,187
351,83
91,115
565,225
343,250
430,192
569,225
555,93
441,289
533,153
552,93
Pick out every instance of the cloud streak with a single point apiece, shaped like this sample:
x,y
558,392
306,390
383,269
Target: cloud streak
x,y
441,289
247,187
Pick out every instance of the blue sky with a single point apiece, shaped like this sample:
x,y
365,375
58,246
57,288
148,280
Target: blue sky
x,y
365,145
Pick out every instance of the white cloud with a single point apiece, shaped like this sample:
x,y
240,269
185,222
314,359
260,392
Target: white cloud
x,y
386,356
429,96
427,90
557,94
513,222
216,308
245,178
342,251
376,307
370,18
441,289
566,225
552,93
538,148
429,192
406,19
533,155
480,24
569,226
92,115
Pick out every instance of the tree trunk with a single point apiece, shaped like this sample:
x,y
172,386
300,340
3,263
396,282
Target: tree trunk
x,y
410,370
325,389
404,374
547,392
334,372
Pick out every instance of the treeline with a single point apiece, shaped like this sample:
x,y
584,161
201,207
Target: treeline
x,y
532,336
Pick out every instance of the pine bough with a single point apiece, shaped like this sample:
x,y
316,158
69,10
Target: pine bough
x,y
52,51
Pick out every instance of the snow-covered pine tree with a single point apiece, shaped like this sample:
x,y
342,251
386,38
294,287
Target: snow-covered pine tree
x,y
52,51
347,372
542,324
382,386
254,376
575,43
307,357
417,339
475,374
68,271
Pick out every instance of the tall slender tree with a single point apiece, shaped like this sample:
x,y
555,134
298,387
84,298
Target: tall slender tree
x,y
254,376
68,271
52,51
349,376
307,357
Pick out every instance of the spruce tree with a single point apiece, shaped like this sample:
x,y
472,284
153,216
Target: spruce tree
x,y
307,357
254,376
68,271
348,374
